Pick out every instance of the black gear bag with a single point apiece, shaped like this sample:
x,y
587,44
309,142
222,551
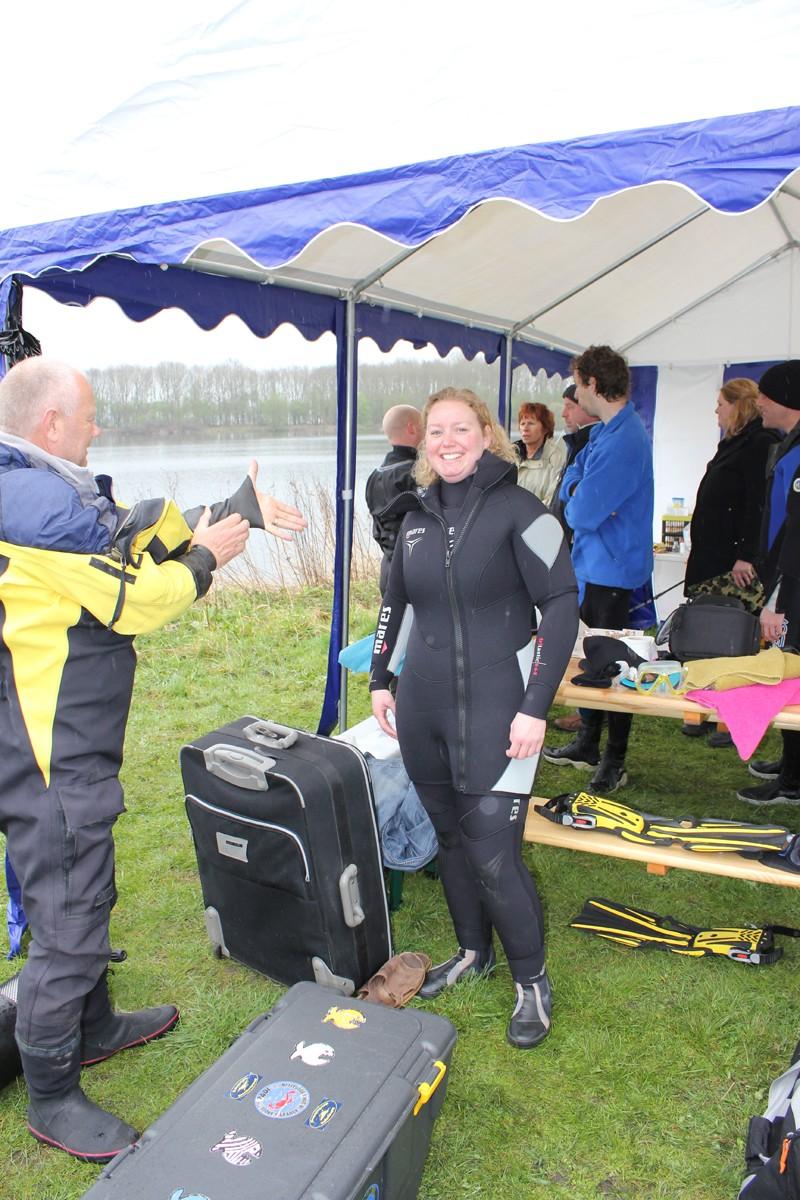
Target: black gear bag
x,y
772,1152
710,627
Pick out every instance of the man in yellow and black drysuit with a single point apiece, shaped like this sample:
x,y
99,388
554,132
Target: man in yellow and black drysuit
x,y
80,576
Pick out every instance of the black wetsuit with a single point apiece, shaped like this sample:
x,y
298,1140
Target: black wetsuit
x,y
467,566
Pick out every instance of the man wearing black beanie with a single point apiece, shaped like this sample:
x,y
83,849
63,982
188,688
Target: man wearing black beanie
x,y
779,567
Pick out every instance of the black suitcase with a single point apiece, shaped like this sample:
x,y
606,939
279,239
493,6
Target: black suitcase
x,y
288,851
315,1099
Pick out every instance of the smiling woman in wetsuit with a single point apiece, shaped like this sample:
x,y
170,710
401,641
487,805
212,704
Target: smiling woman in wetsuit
x,y
475,689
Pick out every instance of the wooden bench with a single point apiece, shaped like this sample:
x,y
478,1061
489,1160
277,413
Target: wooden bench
x,y
657,858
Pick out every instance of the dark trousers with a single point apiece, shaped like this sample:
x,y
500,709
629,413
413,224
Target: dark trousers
x,y
486,883
61,846
607,608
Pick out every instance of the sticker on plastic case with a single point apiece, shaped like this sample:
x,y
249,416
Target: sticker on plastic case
x,y
238,1149
244,1086
323,1114
180,1194
282,1099
344,1018
318,1054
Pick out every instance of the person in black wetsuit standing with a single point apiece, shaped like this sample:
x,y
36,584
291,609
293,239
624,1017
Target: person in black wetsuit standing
x,y
475,688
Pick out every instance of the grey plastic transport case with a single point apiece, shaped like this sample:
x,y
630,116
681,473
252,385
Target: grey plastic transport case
x,y
288,853
324,1097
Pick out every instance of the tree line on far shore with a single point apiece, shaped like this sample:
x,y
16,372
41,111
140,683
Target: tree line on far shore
x,y
174,397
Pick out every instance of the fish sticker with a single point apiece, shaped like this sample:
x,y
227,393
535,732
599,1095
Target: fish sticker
x,y
344,1018
315,1055
282,1099
238,1149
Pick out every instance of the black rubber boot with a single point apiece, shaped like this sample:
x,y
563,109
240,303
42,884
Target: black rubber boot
x,y
122,1030
609,776
460,966
60,1115
582,752
530,1020
765,768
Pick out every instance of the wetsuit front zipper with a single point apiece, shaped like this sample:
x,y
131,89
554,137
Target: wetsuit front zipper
x,y
458,637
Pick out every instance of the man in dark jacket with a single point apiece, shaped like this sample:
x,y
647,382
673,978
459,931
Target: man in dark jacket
x,y
390,490
779,567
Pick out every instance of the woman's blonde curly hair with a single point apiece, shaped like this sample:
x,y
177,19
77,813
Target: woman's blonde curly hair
x,y
499,443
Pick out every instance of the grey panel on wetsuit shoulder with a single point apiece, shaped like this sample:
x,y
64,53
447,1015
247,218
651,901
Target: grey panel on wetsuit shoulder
x,y
518,776
544,537
402,639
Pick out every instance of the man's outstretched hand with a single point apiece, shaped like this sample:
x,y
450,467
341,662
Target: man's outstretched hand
x,y
281,520
225,539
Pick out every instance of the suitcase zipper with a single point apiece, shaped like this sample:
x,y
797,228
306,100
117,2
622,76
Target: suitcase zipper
x,y
223,812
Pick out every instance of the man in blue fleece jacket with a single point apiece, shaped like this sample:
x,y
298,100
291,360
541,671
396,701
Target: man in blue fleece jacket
x,y
607,493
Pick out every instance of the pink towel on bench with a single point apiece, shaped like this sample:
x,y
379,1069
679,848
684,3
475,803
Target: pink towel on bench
x,y
747,711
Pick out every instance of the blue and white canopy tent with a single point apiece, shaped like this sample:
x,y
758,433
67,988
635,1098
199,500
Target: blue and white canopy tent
x,y
678,245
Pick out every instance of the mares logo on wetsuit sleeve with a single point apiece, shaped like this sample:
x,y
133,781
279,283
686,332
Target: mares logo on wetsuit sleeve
x,y
412,537
380,633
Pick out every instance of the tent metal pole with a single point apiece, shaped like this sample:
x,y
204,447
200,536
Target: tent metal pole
x,y
347,495
762,262
507,381
620,262
785,230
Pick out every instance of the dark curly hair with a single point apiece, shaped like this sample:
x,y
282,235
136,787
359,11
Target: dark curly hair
x,y
542,414
608,369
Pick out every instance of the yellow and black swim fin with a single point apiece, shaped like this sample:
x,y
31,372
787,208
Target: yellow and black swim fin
x,y
644,930
582,810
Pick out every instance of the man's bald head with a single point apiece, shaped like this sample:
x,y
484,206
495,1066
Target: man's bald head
x,y
33,386
51,405
402,425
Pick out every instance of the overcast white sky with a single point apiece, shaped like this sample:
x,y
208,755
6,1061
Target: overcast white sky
x,y
263,92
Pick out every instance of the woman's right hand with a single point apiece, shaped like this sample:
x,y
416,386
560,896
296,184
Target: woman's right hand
x,y
382,705
743,573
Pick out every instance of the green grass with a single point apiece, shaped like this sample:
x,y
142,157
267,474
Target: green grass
x,y
644,1088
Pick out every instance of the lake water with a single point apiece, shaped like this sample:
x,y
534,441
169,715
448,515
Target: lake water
x,y
202,471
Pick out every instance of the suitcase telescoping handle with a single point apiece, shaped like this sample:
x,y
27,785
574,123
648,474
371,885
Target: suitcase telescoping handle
x,y
269,733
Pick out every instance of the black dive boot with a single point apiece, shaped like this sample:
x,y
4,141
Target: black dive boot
x,y
582,752
460,966
60,1115
530,1020
105,1032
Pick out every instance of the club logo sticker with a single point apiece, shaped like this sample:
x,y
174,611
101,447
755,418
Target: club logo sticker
x,y
244,1086
238,1149
323,1114
180,1194
373,1193
282,1099
318,1054
344,1018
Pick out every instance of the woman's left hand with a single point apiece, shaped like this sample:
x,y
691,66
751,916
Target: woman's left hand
x,y
743,573
526,736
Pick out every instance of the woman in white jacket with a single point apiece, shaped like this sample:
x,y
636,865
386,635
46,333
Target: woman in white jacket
x,y
541,457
